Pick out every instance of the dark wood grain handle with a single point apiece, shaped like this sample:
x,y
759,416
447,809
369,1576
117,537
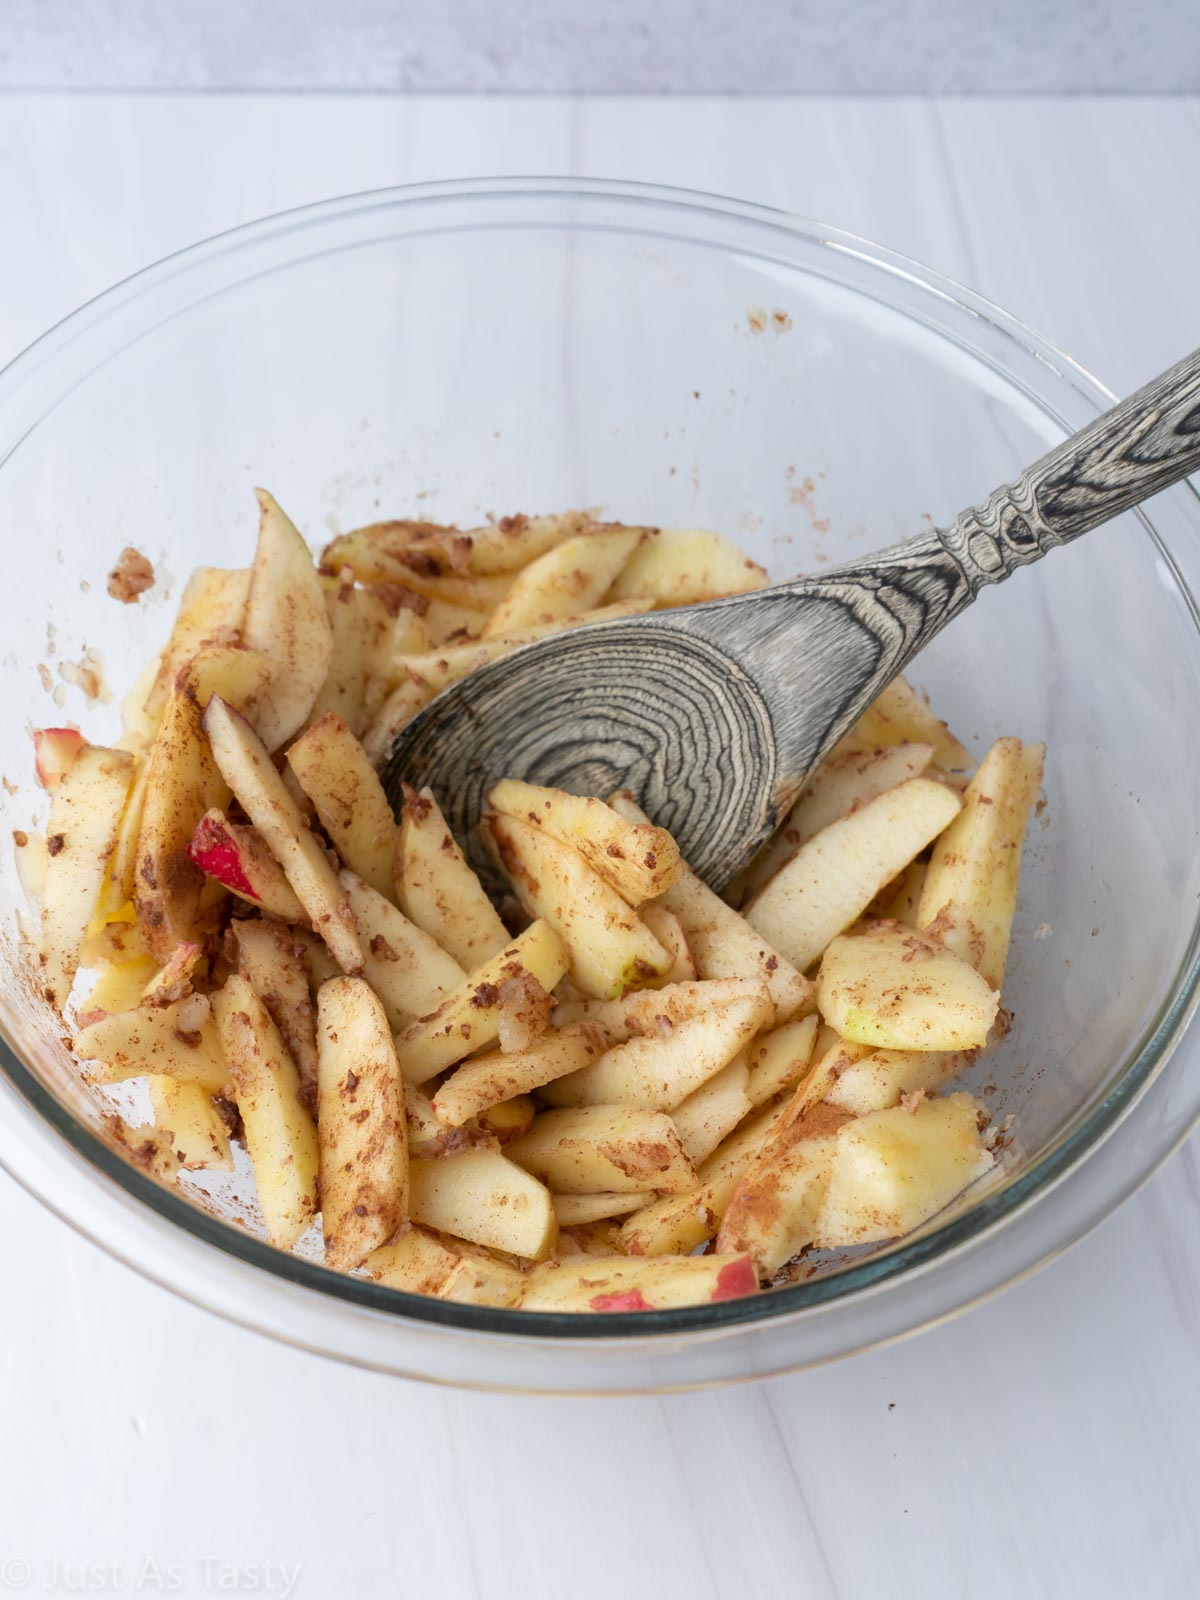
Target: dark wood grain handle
x,y
1146,443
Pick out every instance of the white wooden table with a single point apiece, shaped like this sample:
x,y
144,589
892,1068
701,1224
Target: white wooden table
x,y
1047,1444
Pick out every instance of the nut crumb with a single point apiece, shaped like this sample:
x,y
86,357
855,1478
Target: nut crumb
x,y
132,576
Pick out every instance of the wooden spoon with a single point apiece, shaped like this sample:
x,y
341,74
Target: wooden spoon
x,y
715,715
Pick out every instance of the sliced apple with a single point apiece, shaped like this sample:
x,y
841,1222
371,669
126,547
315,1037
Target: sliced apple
x,y
677,1224
834,877
85,815
178,1041
509,1119
407,969
883,1078
211,612
281,1137
416,1261
668,930
722,942
490,1079
683,566
360,1122
778,1060
276,967
510,543
185,1114
483,1281
969,894
839,786
237,857
577,1210
286,620
573,577
54,754
362,629
636,859
711,1112
611,950
895,989
772,1214
332,769
469,1019
660,1070
483,1196
594,1149
893,1170
182,783
245,765
901,716
436,888
618,1284
657,1011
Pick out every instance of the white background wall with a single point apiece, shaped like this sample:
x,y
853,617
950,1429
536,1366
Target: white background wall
x,y
621,46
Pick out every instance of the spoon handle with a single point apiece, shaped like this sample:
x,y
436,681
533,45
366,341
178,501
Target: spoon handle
x,y
1146,443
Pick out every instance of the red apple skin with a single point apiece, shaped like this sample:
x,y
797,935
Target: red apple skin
x,y
215,851
622,1300
735,1279
54,753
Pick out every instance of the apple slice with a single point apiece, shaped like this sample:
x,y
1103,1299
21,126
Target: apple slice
x,y
436,888
893,1170
834,877
286,620
722,942
969,894
362,629
577,1210
360,1123
618,1284
184,1113
656,1011
839,785
509,1119
237,856
470,1018
483,1196
668,930
332,768
85,815
483,1281
510,543
883,1078
409,972
683,566
211,612
895,989
182,783
901,716
611,950
177,1040
281,1137
573,577
54,754
595,1149
772,1215
245,765
276,967
778,1060
416,1261
490,1079
711,1112
636,859
660,1070
677,1224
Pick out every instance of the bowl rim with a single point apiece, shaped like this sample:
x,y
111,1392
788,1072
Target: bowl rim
x,y
938,1245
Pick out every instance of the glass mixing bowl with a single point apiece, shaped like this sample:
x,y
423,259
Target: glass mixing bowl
x,y
456,349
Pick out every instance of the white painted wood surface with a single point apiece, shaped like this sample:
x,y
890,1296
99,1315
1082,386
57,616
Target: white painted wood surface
x,y
1047,1444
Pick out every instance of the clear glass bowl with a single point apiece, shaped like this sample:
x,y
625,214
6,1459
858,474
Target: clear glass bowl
x,y
456,349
